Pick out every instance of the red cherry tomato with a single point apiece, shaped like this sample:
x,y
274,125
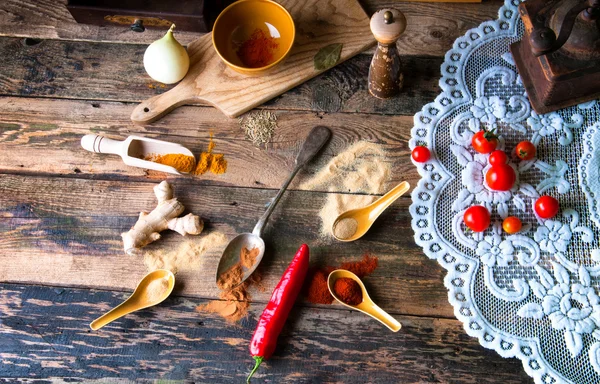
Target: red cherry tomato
x,y
500,177
511,225
477,218
525,150
546,207
498,158
484,141
421,154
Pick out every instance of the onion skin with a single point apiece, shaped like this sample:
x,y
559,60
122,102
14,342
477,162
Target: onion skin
x,y
165,60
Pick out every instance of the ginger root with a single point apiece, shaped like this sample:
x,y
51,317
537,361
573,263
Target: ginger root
x,y
149,225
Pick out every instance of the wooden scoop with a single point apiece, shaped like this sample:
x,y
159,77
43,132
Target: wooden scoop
x,y
134,149
367,306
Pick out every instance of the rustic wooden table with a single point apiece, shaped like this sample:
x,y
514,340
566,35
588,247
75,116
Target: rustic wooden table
x,y
62,211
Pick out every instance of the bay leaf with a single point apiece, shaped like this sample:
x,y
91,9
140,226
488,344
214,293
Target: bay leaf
x,y
328,56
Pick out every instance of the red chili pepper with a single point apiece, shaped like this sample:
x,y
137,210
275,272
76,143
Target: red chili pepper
x,y
275,314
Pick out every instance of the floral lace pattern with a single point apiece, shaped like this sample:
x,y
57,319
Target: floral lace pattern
x,y
534,294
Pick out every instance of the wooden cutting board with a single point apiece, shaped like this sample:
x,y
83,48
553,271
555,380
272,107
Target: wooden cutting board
x,y
318,24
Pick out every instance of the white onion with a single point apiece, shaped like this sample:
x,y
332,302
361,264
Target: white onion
x,y
166,60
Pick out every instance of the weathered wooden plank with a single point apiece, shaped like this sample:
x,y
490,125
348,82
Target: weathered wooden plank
x,y
104,71
42,136
45,335
430,31
64,231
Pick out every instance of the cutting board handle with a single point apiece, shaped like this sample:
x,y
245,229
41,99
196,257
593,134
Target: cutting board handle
x,y
156,107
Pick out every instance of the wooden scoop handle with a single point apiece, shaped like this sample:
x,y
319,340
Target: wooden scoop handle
x,y
156,107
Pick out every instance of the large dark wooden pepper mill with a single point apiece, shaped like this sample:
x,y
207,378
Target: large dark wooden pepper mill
x,y
385,75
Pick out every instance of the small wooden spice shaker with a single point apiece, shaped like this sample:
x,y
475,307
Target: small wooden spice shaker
x,y
385,76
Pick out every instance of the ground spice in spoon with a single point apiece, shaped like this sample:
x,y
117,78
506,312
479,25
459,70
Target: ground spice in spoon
x,y
156,290
345,228
348,291
182,163
248,257
315,288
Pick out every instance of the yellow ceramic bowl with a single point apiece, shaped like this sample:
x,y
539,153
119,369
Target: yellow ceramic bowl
x,y
237,23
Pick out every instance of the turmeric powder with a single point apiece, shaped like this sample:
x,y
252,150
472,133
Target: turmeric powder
x,y
182,163
208,161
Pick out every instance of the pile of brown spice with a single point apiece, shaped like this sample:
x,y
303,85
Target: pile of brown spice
x,y
234,298
234,303
315,288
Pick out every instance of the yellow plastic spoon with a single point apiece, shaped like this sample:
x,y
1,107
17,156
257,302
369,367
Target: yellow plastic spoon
x,y
358,221
162,281
367,306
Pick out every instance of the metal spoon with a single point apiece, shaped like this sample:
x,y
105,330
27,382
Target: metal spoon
x,y
140,298
367,306
315,140
366,216
134,149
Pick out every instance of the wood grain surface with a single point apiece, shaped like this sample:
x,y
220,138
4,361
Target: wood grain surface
x,y
44,137
102,71
46,329
62,210
72,228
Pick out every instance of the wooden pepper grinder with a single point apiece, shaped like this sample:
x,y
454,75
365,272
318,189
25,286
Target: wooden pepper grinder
x,y
385,76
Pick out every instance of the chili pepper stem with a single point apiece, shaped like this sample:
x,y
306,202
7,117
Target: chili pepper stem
x,y
259,360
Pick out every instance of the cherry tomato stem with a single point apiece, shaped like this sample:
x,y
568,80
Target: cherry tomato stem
x,y
484,141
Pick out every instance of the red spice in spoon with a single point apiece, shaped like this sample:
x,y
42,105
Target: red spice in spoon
x,y
348,291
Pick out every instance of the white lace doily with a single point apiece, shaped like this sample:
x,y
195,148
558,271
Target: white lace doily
x,y
532,295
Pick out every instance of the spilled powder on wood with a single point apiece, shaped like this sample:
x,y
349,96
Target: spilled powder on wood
x,y
361,168
186,257
234,303
231,277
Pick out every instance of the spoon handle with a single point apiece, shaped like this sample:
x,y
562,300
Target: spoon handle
x,y
315,140
101,144
117,312
387,199
386,319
